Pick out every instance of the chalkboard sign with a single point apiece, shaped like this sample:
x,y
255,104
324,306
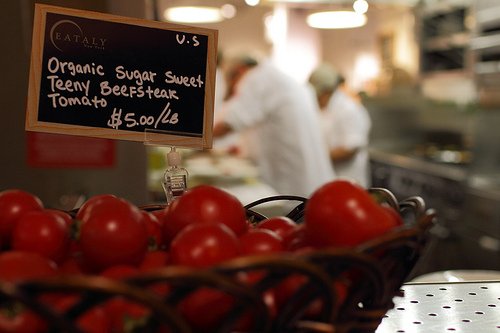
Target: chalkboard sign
x,y
101,75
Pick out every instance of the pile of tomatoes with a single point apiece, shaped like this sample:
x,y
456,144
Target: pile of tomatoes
x,y
111,237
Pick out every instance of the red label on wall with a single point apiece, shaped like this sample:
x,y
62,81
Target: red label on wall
x,y
47,150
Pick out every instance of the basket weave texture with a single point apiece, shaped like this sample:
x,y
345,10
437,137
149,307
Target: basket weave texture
x,y
370,276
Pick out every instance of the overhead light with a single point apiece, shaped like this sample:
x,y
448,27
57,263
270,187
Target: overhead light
x,y
301,1
336,20
252,2
360,6
194,14
228,11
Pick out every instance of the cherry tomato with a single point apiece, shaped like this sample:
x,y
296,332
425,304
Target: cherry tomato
x,y
119,272
121,311
285,290
65,216
268,296
114,234
342,291
154,230
24,321
13,204
107,204
281,225
124,314
74,246
394,213
290,285
203,245
154,260
94,320
16,266
296,239
205,308
204,204
42,232
260,241
159,213
341,213
73,265
86,209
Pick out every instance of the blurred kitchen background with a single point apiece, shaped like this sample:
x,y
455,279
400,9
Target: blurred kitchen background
x,y
428,71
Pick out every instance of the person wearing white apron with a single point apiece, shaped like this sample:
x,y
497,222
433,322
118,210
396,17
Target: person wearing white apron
x,y
345,125
290,153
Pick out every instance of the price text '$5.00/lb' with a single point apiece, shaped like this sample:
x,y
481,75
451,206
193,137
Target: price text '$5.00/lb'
x,y
118,118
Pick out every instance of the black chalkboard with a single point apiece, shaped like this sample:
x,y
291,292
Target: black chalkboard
x,y
101,75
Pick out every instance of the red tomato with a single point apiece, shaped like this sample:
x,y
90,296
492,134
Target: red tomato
x,y
342,290
203,245
42,232
119,272
268,296
204,204
394,213
121,311
296,239
124,314
23,322
154,260
159,213
205,308
154,230
86,209
341,213
94,320
66,217
281,225
74,246
107,204
73,265
16,266
13,204
285,290
260,241
114,234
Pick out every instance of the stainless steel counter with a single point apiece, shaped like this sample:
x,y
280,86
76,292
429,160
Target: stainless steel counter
x,y
484,185
441,185
466,307
467,235
411,162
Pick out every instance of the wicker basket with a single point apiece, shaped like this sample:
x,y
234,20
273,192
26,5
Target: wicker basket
x,y
371,276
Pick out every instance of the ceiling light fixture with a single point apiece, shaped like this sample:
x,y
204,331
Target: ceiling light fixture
x,y
228,11
252,2
360,6
336,20
194,14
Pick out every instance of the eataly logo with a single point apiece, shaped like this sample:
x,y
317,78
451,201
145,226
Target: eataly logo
x,y
66,32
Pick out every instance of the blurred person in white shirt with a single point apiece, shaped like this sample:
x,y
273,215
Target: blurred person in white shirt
x,y
345,124
281,115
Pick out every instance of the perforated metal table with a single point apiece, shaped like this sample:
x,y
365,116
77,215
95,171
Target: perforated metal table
x,y
466,307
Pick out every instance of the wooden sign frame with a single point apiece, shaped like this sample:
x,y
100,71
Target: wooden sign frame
x,y
146,128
